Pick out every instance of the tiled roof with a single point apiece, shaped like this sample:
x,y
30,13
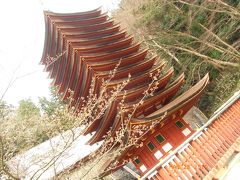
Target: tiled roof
x,y
204,155
80,51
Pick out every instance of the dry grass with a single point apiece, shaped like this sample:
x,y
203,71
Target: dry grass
x,y
126,15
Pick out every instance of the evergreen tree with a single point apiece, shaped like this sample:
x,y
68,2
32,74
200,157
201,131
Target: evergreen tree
x,y
27,109
49,106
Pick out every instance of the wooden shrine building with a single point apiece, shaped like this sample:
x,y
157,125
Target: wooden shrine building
x,y
80,51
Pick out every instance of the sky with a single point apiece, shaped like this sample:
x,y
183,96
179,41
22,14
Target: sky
x,y
22,39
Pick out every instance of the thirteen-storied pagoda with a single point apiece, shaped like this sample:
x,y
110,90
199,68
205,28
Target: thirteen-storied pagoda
x,y
88,45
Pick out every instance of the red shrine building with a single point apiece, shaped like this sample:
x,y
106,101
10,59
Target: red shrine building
x,y
80,51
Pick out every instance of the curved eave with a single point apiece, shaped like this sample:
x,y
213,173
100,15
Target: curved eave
x,y
52,19
59,68
82,22
120,73
142,65
109,117
70,71
105,47
138,78
65,72
61,37
88,27
46,39
159,98
107,57
134,47
198,89
78,91
104,124
67,16
188,98
99,40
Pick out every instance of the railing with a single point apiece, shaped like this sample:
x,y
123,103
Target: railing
x,y
216,114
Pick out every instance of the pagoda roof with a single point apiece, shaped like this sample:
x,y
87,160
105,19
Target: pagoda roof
x,y
82,48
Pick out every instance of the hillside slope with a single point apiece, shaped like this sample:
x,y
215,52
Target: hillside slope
x,y
195,37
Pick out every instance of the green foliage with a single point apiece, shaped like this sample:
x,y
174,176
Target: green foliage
x,y
203,28
48,107
20,135
27,109
23,127
6,110
26,128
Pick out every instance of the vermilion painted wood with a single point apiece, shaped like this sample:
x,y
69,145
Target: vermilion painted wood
x,y
234,122
164,174
204,158
49,29
84,42
208,149
64,32
181,171
96,49
171,172
188,154
121,53
130,50
93,45
178,106
110,115
227,136
157,99
72,16
216,141
190,165
122,43
84,35
103,66
108,38
72,73
71,30
169,131
210,146
57,24
121,73
83,21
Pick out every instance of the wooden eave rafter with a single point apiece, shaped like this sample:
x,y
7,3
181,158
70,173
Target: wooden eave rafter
x,y
108,57
89,46
93,49
121,73
67,16
72,62
99,66
138,78
68,42
135,94
185,100
86,34
75,29
159,98
49,29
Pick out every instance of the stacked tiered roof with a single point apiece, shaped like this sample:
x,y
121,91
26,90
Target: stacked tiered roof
x,y
82,48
